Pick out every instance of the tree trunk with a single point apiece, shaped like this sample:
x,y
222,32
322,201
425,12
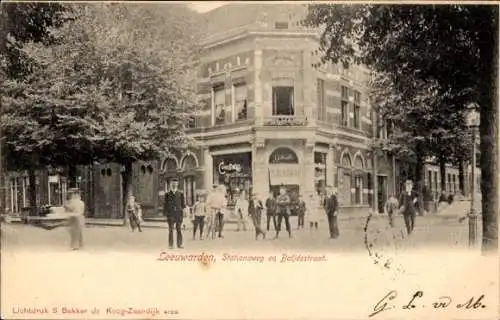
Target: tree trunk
x,y
489,136
461,177
72,176
32,194
419,178
442,172
126,188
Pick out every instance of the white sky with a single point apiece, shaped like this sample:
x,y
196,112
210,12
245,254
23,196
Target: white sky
x,y
204,6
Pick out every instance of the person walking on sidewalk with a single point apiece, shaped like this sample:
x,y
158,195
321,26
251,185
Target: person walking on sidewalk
x,y
301,212
241,209
200,212
332,209
391,206
75,208
255,208
134,212
283,212
271,207
408,202
174,212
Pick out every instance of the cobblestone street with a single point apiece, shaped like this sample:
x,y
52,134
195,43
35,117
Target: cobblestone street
x,y
430,231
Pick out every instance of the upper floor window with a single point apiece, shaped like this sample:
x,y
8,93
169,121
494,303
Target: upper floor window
x,y
357,109
283,101
240,97
344,119
219,102
321,100
281,25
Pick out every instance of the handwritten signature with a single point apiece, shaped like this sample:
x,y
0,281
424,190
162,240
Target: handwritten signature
x,y
443,302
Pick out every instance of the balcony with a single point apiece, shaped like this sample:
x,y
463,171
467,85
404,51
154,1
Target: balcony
x,y
285,121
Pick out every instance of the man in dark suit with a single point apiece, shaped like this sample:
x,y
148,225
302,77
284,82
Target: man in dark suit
x,y
331,209
174,210
271,210
408,202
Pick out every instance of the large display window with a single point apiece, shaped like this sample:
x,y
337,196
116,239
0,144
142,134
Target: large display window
x,y
235,172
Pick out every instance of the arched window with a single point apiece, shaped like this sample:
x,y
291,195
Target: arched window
x,y
189,183
283,155
346,161
358,180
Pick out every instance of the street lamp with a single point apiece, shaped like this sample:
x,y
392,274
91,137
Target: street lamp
x,y
472,118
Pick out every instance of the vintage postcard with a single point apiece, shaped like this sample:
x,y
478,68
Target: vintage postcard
x,y
249,160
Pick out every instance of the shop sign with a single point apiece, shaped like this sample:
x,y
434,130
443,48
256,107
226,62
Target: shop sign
x,y
54,179
229,168
288,174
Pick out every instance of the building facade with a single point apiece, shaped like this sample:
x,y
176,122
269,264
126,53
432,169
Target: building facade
x,y
268,118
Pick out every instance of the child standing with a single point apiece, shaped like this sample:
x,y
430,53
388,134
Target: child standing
x,y
200,212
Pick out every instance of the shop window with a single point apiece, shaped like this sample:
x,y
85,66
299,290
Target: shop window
x,y
219,103
283,101
19,193
56,191
449,182
358,187
240,97
320,172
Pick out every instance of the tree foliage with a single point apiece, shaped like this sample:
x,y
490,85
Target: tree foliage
x,y
115,85
443,54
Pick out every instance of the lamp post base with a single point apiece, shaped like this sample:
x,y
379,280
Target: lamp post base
x,y
472,228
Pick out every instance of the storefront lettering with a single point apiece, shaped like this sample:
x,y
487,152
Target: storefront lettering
x,y
283,155
230,167
284,174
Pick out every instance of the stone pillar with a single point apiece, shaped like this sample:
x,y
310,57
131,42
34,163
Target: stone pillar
x,y
330,166
307,187
260,177
258,87
208,163
309,86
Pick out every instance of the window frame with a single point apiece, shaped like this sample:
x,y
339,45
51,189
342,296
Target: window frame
x,y
275,93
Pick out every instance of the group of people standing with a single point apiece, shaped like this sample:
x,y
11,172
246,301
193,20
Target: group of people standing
x,y
209,209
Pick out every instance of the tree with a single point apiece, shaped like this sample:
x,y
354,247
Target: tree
x,y
454,47
22,23
115,86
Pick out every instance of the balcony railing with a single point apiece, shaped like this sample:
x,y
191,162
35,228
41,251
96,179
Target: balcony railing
x,y
285,121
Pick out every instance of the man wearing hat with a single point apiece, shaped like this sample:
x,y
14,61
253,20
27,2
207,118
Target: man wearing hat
x,y
331,208
407,202
255,208
173,210
283,212
75,208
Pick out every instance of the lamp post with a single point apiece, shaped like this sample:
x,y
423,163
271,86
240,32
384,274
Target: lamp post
x,y
472,118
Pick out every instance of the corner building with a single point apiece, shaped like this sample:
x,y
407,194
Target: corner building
x,y
271,118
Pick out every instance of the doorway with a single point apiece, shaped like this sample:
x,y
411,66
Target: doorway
x,y
381,192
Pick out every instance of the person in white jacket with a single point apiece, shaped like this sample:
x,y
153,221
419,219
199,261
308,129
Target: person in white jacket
x,y
75,209
217,202
241,210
